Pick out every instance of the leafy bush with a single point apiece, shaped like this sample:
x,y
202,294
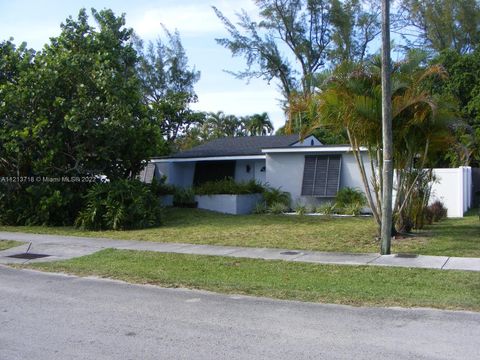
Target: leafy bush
x,y
435,212
184,198
274,196
327,208
348,196
260,208
277,208
52,204
300,209
229,186
117,205
160,187
353,209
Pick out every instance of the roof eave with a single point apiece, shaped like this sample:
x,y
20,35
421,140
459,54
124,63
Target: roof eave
x,y
211,158
311,149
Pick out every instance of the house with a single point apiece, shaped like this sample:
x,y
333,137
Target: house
x,y
310,171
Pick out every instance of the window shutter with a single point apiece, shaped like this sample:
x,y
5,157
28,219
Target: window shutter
x,y
309,175
321,175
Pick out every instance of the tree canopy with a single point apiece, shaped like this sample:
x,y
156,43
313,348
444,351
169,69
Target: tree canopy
x,y
168,85
75,107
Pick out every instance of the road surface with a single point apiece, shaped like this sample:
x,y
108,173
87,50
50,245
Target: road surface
x,y
53,316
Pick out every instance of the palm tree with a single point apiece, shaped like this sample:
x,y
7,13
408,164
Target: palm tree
x,y
219,125
351,101
259,125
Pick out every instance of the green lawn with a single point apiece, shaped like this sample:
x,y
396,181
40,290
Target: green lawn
x,y
354,285
7,244
452,237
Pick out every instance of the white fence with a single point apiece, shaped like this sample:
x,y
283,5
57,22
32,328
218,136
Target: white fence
x,y
454,188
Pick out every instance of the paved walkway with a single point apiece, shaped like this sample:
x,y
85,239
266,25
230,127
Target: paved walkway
x,y
60,247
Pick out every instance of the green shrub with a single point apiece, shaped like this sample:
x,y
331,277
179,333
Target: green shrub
x,y
229,186
278,208
353,209
327,208
50,204
160,187
300,209
119,205
347,197
274,196
260,208
184,198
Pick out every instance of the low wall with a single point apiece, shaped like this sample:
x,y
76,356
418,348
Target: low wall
x,y
229,204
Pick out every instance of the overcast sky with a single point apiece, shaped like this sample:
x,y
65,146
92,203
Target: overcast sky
x,y
35,21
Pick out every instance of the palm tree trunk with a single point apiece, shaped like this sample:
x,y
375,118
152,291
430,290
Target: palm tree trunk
x,y
386,232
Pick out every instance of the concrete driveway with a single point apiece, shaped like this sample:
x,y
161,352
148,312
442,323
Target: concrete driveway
x,y
52,316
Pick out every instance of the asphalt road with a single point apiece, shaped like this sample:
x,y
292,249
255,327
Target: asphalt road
x,y
48,316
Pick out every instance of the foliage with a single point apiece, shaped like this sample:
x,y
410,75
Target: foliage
x,y
277,208
258,125
462,83
351,102
347,197
160,187
326,208
75,108
413,193
184,197
352,209
306,29
300,209
39,204
228,186
436,212
260,208
167,84
119,205
217,125
275,195
443,24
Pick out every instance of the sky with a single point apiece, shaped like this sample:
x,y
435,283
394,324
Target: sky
x,y
35,21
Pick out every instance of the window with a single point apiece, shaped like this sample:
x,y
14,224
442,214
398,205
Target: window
x,y
321,175
213,171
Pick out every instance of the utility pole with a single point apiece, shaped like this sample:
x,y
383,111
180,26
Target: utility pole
x,y
386,230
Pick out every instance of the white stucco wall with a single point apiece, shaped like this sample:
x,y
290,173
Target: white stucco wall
x,y
241,174
179,174
285,171
453,187
308,142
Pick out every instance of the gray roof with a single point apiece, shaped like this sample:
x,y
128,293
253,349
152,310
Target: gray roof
x,y
237,146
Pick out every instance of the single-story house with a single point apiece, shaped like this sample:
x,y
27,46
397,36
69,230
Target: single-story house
x,y
310,171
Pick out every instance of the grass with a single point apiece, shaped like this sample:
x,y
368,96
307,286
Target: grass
x,y
452,237
7,244
353,285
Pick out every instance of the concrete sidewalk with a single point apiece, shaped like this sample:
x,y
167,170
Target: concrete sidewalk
x,y
59,247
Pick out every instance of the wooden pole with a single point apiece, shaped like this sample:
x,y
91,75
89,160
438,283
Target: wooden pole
x,y
387,185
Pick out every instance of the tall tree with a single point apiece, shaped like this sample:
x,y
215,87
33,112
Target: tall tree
x,y
258,125
351,101
463,84
312,32
168,85
443,24
81,104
